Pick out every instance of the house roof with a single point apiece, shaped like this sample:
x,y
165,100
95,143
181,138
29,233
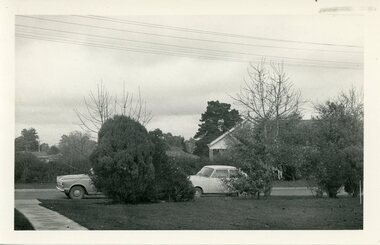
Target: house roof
x,y
226,133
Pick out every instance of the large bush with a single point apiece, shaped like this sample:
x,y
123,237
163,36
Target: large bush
x,y
336,150
122,161
171,182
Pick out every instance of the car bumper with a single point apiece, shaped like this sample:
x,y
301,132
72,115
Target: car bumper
x,y
61,189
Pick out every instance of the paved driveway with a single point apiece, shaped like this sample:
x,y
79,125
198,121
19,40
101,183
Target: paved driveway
x,y
39,193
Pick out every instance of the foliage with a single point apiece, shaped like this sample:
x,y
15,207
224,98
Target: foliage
x,y
253,158
29,169
28,141
53,150
189,145
76,149
174,140
336,155
171,182
190,166
275,138
218,118
44,147
262,157
122,161
282,142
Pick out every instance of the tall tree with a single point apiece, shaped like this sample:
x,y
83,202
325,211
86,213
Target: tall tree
x,y
76,149
218,118
28,141
269,101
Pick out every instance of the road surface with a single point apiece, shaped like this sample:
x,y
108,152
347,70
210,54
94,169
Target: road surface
x,y
55,194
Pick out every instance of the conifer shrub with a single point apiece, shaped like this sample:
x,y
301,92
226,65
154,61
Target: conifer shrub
x,y
122,161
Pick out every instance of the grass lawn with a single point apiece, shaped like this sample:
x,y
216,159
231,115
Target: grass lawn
x,y
215,213
21,222
296,183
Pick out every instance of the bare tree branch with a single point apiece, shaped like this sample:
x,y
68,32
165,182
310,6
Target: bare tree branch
x,y
102,106
268,94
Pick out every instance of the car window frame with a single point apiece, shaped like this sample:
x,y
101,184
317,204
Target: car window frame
x,y
225,169
210,176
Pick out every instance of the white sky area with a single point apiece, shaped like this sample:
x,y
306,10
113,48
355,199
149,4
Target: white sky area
x,y
53,77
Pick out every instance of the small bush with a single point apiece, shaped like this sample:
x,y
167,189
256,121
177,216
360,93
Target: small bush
x,y
175,186
252,180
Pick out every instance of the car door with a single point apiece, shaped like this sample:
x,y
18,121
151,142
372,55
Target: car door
x,y
217,184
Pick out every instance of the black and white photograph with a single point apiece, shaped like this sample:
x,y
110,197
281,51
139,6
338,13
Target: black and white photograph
x,y
190,122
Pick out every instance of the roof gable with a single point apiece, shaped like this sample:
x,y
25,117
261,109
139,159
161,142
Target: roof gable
x,y
227,133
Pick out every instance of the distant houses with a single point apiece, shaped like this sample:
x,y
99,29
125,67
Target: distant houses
x,y
45,157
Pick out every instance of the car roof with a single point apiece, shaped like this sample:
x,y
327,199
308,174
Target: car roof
x,y
220,167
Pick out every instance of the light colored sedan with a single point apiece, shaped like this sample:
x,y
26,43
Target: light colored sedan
x,y
209,180
76,186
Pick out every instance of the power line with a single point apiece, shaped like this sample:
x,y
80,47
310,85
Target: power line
x,y
160,52
225,42
186,47
186,51
219,56
210,32
144,33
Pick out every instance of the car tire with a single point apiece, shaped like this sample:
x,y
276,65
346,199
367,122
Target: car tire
x,y
76,192
198,192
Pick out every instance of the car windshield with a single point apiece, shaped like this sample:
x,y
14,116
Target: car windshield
x,y
205,172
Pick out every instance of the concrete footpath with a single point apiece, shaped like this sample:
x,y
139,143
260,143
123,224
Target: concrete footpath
x,y
45,219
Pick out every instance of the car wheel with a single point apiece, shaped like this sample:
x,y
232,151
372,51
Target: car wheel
x,y
76,192
198,192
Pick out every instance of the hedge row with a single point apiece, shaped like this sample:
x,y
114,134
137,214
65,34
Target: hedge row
x,y
29,169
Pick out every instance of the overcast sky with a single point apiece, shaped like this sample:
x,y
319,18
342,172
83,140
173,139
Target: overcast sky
x,y
53,76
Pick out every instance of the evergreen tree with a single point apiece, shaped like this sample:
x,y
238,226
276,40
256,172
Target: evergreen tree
x,y
122,161
218,118
28,141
